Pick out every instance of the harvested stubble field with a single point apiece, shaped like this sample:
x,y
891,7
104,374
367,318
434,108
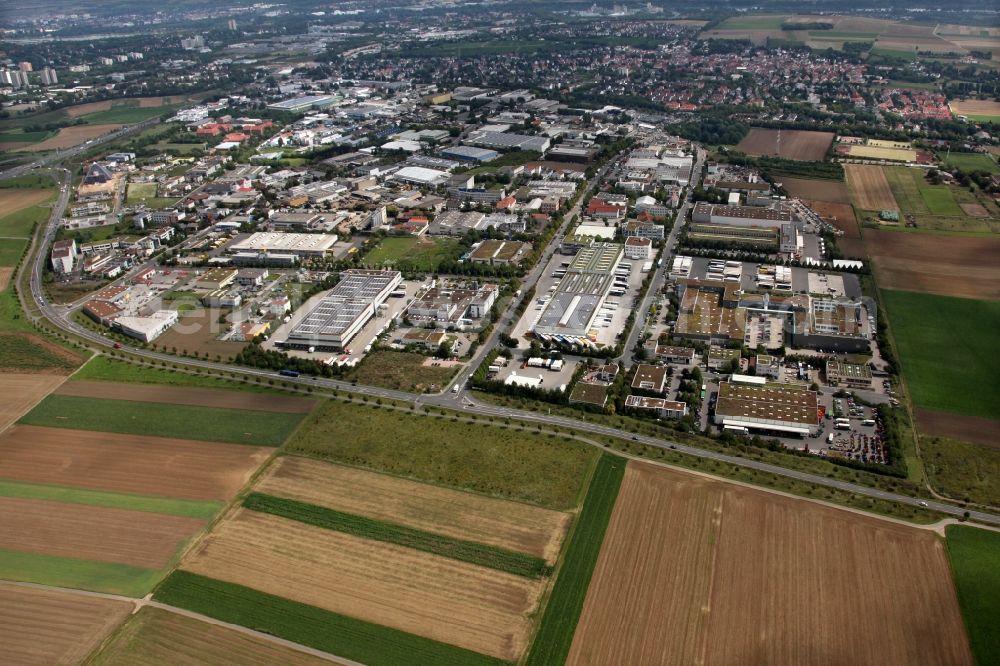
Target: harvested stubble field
x,y
153,637
196,397
210,424
700,571
790,144
461,515
880,153
976,107
475,608
104,534
44,627
6,272
832,191
869,187
73,136
22,392
949,265
14,199
127,463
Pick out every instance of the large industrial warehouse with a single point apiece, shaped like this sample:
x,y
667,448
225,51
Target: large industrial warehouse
x,y
343,311
581,292
302,245
767,407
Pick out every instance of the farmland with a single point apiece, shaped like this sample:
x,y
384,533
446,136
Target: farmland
x,y
104,369
979,110
727,574
211,424
309,625
440,598
21,393
869,187
962,470
11,250
188,396
73,136
127,463
938,207
969,162
42,627
153,637
27,352
138,192
951,265
881,153
422,254
819,190
171,506
21,211
945,347
973,555
487,459
504,524
789,144
968,428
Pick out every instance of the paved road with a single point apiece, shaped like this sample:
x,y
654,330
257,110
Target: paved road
x,y
138,604
36,308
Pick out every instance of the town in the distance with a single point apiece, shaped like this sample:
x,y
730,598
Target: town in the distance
x,y
499,333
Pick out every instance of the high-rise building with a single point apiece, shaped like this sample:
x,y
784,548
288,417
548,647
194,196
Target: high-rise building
x,y
25,66
192,43
232,24
49,77
14,78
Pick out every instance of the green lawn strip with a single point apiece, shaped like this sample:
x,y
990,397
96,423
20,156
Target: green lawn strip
x,y
946,347
562,612
974,556
11,250
78,574
314,627
545,470
520,564
146,503
210,424
104,369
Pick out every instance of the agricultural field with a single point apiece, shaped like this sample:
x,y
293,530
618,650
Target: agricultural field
x,y
728,574
123,115
153,637
154,466
195,397
869,187
461,515
949,265
882,153
547,471
443,599
985,431
974,554
21,210
73,136
404,371
11,250
789,144
977,110
30,353
938,207
45,627
137,192
22,392
970,162
210,424
831,191
961,469
945,346
422,254
16,139
104,369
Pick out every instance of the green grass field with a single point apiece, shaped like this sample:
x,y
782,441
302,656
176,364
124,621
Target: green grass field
x,y
22,222
488,459
78,574
154,419
138,191
947,348
974,555
562,612
20,353
970,162
317,628
11,250
145,503
179,148
422,254
894,53
20,136
104,369
933,206
763,22
403,371
965,471
492,557
125,115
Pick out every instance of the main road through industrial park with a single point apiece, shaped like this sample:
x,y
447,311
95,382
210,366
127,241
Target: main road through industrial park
x,y
36,307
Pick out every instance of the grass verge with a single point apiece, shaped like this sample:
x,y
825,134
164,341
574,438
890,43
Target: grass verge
x,y
104,369
209,424
145,503
974,554
347,637
90,575
562,612
492,557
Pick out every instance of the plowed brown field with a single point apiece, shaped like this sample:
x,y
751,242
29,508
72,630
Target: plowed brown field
x,y
92,532
963,266
154,637
450,601
44,628
22,392
833,191
127,463
696,571
790,144
869,187
197,397
967,428
510,525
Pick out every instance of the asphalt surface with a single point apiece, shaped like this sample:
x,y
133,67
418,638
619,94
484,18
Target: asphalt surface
x,y
37,308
